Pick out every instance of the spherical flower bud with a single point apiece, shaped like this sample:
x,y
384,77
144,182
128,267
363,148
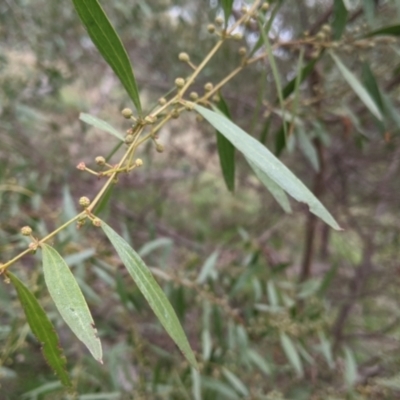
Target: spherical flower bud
x,y
208,87
100,160
159,147
184,57
26,230
81,166
244,9
242,51
326,28
194,95
265,7
84,201
211,28
175,114
219,21
237,36
189,106
127,113
139,162
129,139
179,82
150,119
96,222
162,101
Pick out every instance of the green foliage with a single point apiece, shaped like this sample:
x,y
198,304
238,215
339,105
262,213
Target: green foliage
x,y
69,300
267,316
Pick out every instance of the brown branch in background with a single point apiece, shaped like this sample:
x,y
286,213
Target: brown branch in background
x,y
312,219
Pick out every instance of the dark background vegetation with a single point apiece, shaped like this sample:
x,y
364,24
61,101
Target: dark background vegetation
x,y
276,306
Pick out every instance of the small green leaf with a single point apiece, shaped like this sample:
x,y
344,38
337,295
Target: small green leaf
x,y
69,300
339,18
276,191
371,85
369,10
350,367
227,7
99,123
237,384
291,353
307,148
226,150
393,30
43,329
109,45
151,291
258,154
208,269
358,88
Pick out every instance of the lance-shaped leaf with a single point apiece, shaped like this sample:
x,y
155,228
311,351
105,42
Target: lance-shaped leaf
x,y
109,45
150,289
276,191
227,7
99,123
291,353
69,300
226,150
43,329
387,30
340,18
358,88
258,154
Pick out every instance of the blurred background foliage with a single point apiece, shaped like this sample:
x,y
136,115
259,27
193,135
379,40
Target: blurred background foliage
x,y
276,306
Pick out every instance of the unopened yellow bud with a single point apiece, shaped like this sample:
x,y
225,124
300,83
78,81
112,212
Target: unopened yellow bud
x,y
179,82
211,28
159,147
208,87
127,113
219,21
96,222
194,95
184,57
100,160
84,201
237,36
162,101
129,139
265,7
26,230
139,162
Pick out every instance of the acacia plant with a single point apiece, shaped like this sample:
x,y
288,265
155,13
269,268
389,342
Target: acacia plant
x,y
146,126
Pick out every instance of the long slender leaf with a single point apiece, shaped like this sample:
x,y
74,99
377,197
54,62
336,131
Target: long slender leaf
x,y
369,11
371,85
254,151
227,7
238,385
226,150
308,149
151,291
350,371
340,18
109,45
358,88
393,30
69,300
43,329
99,123
276,191
291,353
